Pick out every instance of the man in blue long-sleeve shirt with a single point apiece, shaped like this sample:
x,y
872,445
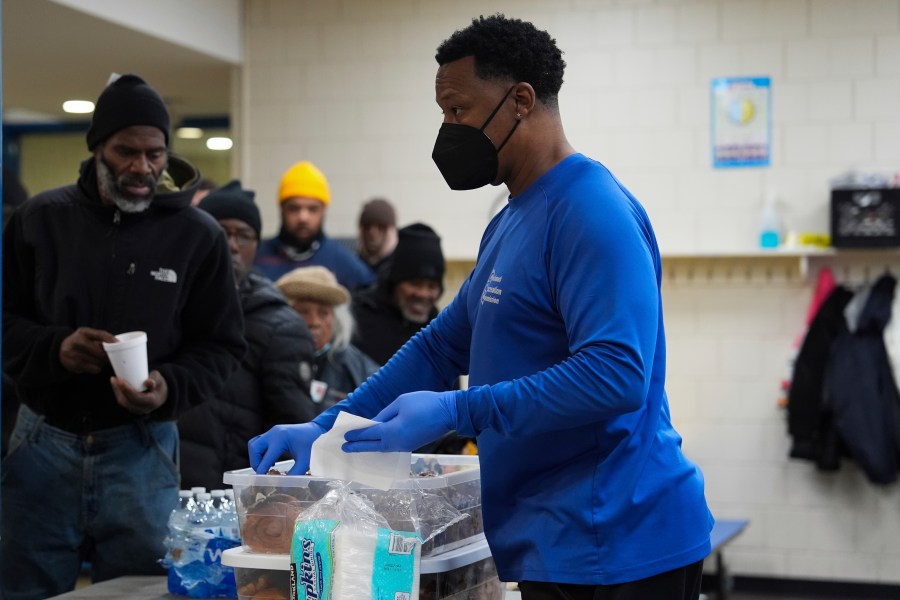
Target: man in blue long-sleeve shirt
x,y
585,490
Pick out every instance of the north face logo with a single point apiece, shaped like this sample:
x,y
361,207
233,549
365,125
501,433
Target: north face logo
x,y
165,275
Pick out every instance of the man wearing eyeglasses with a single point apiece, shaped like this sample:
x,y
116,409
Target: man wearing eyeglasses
x,y
272,385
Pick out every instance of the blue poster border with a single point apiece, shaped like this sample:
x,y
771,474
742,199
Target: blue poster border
x,y
720,83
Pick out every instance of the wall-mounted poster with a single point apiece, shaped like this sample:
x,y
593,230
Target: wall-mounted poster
x,y
741,122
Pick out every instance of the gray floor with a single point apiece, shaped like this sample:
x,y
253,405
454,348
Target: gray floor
x,y
731,596
748,596
759,596
810,596
154,588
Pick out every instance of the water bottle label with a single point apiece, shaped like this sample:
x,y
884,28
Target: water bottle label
x,y
212,555
195,564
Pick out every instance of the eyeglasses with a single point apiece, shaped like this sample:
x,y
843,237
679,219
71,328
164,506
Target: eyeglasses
x,y
243,237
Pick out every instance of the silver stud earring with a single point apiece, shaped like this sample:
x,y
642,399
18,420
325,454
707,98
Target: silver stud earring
x,y
519,115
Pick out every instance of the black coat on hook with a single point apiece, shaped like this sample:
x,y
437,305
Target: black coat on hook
x,y
810,422
860,391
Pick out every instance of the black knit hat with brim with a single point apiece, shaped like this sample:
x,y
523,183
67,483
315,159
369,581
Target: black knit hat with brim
x,y
233,202
127,101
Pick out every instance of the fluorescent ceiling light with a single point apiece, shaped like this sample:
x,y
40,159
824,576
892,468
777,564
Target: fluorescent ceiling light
x,y
189,133
78,107
219,143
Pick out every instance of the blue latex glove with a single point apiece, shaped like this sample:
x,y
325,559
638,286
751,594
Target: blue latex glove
x,y
407,423
296,440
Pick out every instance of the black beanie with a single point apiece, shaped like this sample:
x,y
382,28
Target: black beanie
x,y
232,202
417,255
127,101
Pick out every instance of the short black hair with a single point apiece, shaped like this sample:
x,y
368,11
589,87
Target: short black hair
x,y
505,48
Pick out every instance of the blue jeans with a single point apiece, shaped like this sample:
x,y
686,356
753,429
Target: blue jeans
x,y
104,497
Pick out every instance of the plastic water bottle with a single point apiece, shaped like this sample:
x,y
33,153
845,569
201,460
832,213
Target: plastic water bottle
x,y
202,573
178,540
229,500
204,520
229,518
226,514
178,517
178,523
197,491
193,571
217,496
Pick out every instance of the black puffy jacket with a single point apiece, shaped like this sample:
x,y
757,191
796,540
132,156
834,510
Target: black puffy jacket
x,y
342,371
271,387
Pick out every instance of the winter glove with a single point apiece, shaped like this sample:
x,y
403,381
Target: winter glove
x,y
296,440
407,423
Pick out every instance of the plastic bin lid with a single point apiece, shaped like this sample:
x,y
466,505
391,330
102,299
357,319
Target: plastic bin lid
x,y
460,557
467,465
239,557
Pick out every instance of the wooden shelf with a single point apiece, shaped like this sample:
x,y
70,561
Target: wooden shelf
x,y
780,264
798,265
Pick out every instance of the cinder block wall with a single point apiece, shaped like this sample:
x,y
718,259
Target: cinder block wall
x,y
348,84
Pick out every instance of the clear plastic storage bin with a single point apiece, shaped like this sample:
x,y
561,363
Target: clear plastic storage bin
x,y
268,505
466,573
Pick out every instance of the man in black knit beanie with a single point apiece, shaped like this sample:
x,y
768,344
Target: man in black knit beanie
x,y
95,474
404,300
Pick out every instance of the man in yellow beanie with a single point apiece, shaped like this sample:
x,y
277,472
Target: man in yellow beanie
x,y
304,196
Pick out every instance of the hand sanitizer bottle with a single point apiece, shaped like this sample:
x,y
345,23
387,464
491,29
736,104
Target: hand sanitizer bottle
x,y
770,223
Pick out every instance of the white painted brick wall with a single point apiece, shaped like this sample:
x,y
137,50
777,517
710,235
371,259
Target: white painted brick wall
x,y
887,57
887,143
349,85
878,99
852,57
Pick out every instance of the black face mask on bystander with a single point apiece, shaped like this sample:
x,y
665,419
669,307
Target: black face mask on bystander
x,y
466,156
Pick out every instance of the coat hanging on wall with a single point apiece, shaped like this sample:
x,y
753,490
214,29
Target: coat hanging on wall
x,y
860,390
843,398
809,423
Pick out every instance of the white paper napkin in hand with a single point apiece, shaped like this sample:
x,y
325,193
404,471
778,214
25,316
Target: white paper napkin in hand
x,y
375,469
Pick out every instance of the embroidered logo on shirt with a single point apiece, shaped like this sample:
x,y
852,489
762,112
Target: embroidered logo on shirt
x,y
492,290
165,275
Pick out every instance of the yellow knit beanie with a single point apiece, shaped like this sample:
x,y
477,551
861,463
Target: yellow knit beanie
x,y
304,180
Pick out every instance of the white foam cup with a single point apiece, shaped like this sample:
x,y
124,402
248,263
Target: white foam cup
x,y
129,358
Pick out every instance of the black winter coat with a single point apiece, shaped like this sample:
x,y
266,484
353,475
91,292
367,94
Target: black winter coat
x,y
381,328
810,422
341,372
271,387
861,392
70,261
